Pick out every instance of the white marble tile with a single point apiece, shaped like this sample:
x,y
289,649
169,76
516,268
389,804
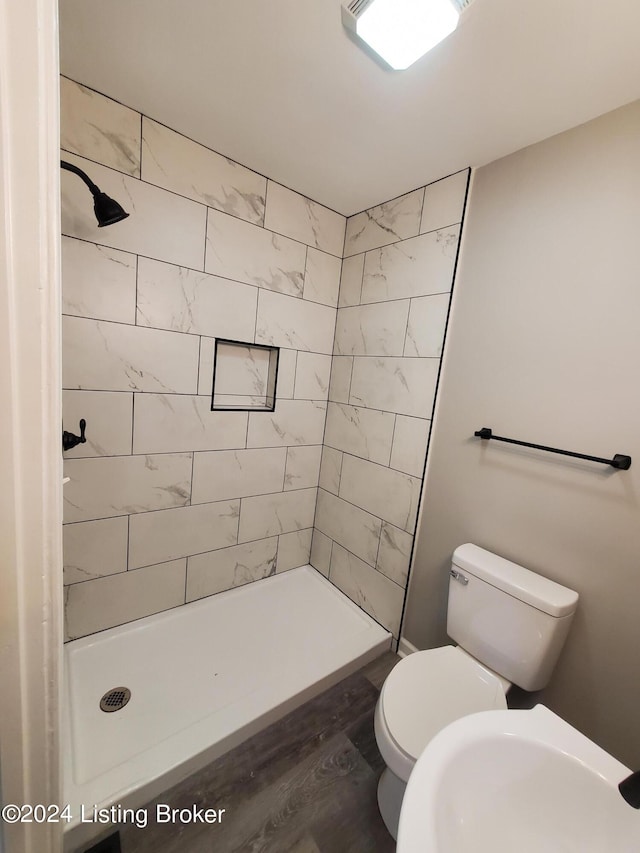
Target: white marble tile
x,y
313,374
352,527
322,277
253,255
341,367
93,549
287,359
98,282
106,602
227,568
109,422
205,368
119,485
176,163
225,474
303,467
402,385
387,223
169,534
372,329
294,549
168,422
416,267
286,370
292,422
351,281
394,553
427,324
320,557
160,225
294,323
183,300
298,217
98,128
241,402
99,356
409,449
363,432
444,202
376,594
330,468
268,515
391,495
242,373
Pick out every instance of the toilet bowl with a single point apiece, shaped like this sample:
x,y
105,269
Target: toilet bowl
x,y
424,693
512,623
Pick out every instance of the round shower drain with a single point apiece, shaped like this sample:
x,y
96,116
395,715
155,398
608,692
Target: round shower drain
x,y
114,700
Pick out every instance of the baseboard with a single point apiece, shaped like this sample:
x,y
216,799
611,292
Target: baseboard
x,y
406,648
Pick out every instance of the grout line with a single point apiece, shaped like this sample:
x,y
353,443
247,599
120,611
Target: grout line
x,y
141,143
393,437
198,394
378,549
353,554
348,403
304,276
284,472
322,401
295,377
406,330
342,453
193,457
330,556
136,311
206,235
128,540
255,325
236,281
133,416
424,197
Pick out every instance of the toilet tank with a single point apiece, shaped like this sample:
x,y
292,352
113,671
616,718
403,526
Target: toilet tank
x,y
509,618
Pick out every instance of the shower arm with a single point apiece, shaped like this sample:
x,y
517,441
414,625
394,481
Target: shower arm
x,y
76,171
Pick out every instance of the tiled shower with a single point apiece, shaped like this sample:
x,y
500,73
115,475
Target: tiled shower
x,y
169,501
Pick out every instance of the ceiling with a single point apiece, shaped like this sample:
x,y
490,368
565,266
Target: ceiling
x,y
279,85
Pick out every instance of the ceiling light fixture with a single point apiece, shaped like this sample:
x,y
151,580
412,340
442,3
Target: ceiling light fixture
x,y
401,31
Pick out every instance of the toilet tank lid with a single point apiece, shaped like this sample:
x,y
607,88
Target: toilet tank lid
x,y
529,587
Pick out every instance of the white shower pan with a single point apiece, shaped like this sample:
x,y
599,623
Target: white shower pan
x,y
202,677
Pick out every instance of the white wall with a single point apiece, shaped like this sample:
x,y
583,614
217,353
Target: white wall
x,y
544,345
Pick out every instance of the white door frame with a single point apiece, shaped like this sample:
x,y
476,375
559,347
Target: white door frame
x,y
30,420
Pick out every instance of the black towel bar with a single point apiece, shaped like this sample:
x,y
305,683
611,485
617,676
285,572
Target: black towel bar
x,y
619,461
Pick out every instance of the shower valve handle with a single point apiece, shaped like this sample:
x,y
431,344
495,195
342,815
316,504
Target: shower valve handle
x,y
70,440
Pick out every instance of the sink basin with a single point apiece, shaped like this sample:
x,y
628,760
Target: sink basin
x,y
501,781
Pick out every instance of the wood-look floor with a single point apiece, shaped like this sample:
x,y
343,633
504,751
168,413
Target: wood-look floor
x,y
306,784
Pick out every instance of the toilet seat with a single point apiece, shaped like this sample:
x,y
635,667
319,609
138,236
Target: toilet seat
x,y
424,693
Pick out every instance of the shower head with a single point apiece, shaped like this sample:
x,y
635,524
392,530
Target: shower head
x,y
107,210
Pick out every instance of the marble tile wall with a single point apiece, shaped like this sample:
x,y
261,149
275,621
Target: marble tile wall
x,y
393,303
168,501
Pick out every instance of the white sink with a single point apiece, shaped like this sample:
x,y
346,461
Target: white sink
x,y
502,781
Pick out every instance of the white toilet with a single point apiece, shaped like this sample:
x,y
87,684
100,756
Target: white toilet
x,y
510,625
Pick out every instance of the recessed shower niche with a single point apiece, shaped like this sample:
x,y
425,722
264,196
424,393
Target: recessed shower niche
x,y
244,376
